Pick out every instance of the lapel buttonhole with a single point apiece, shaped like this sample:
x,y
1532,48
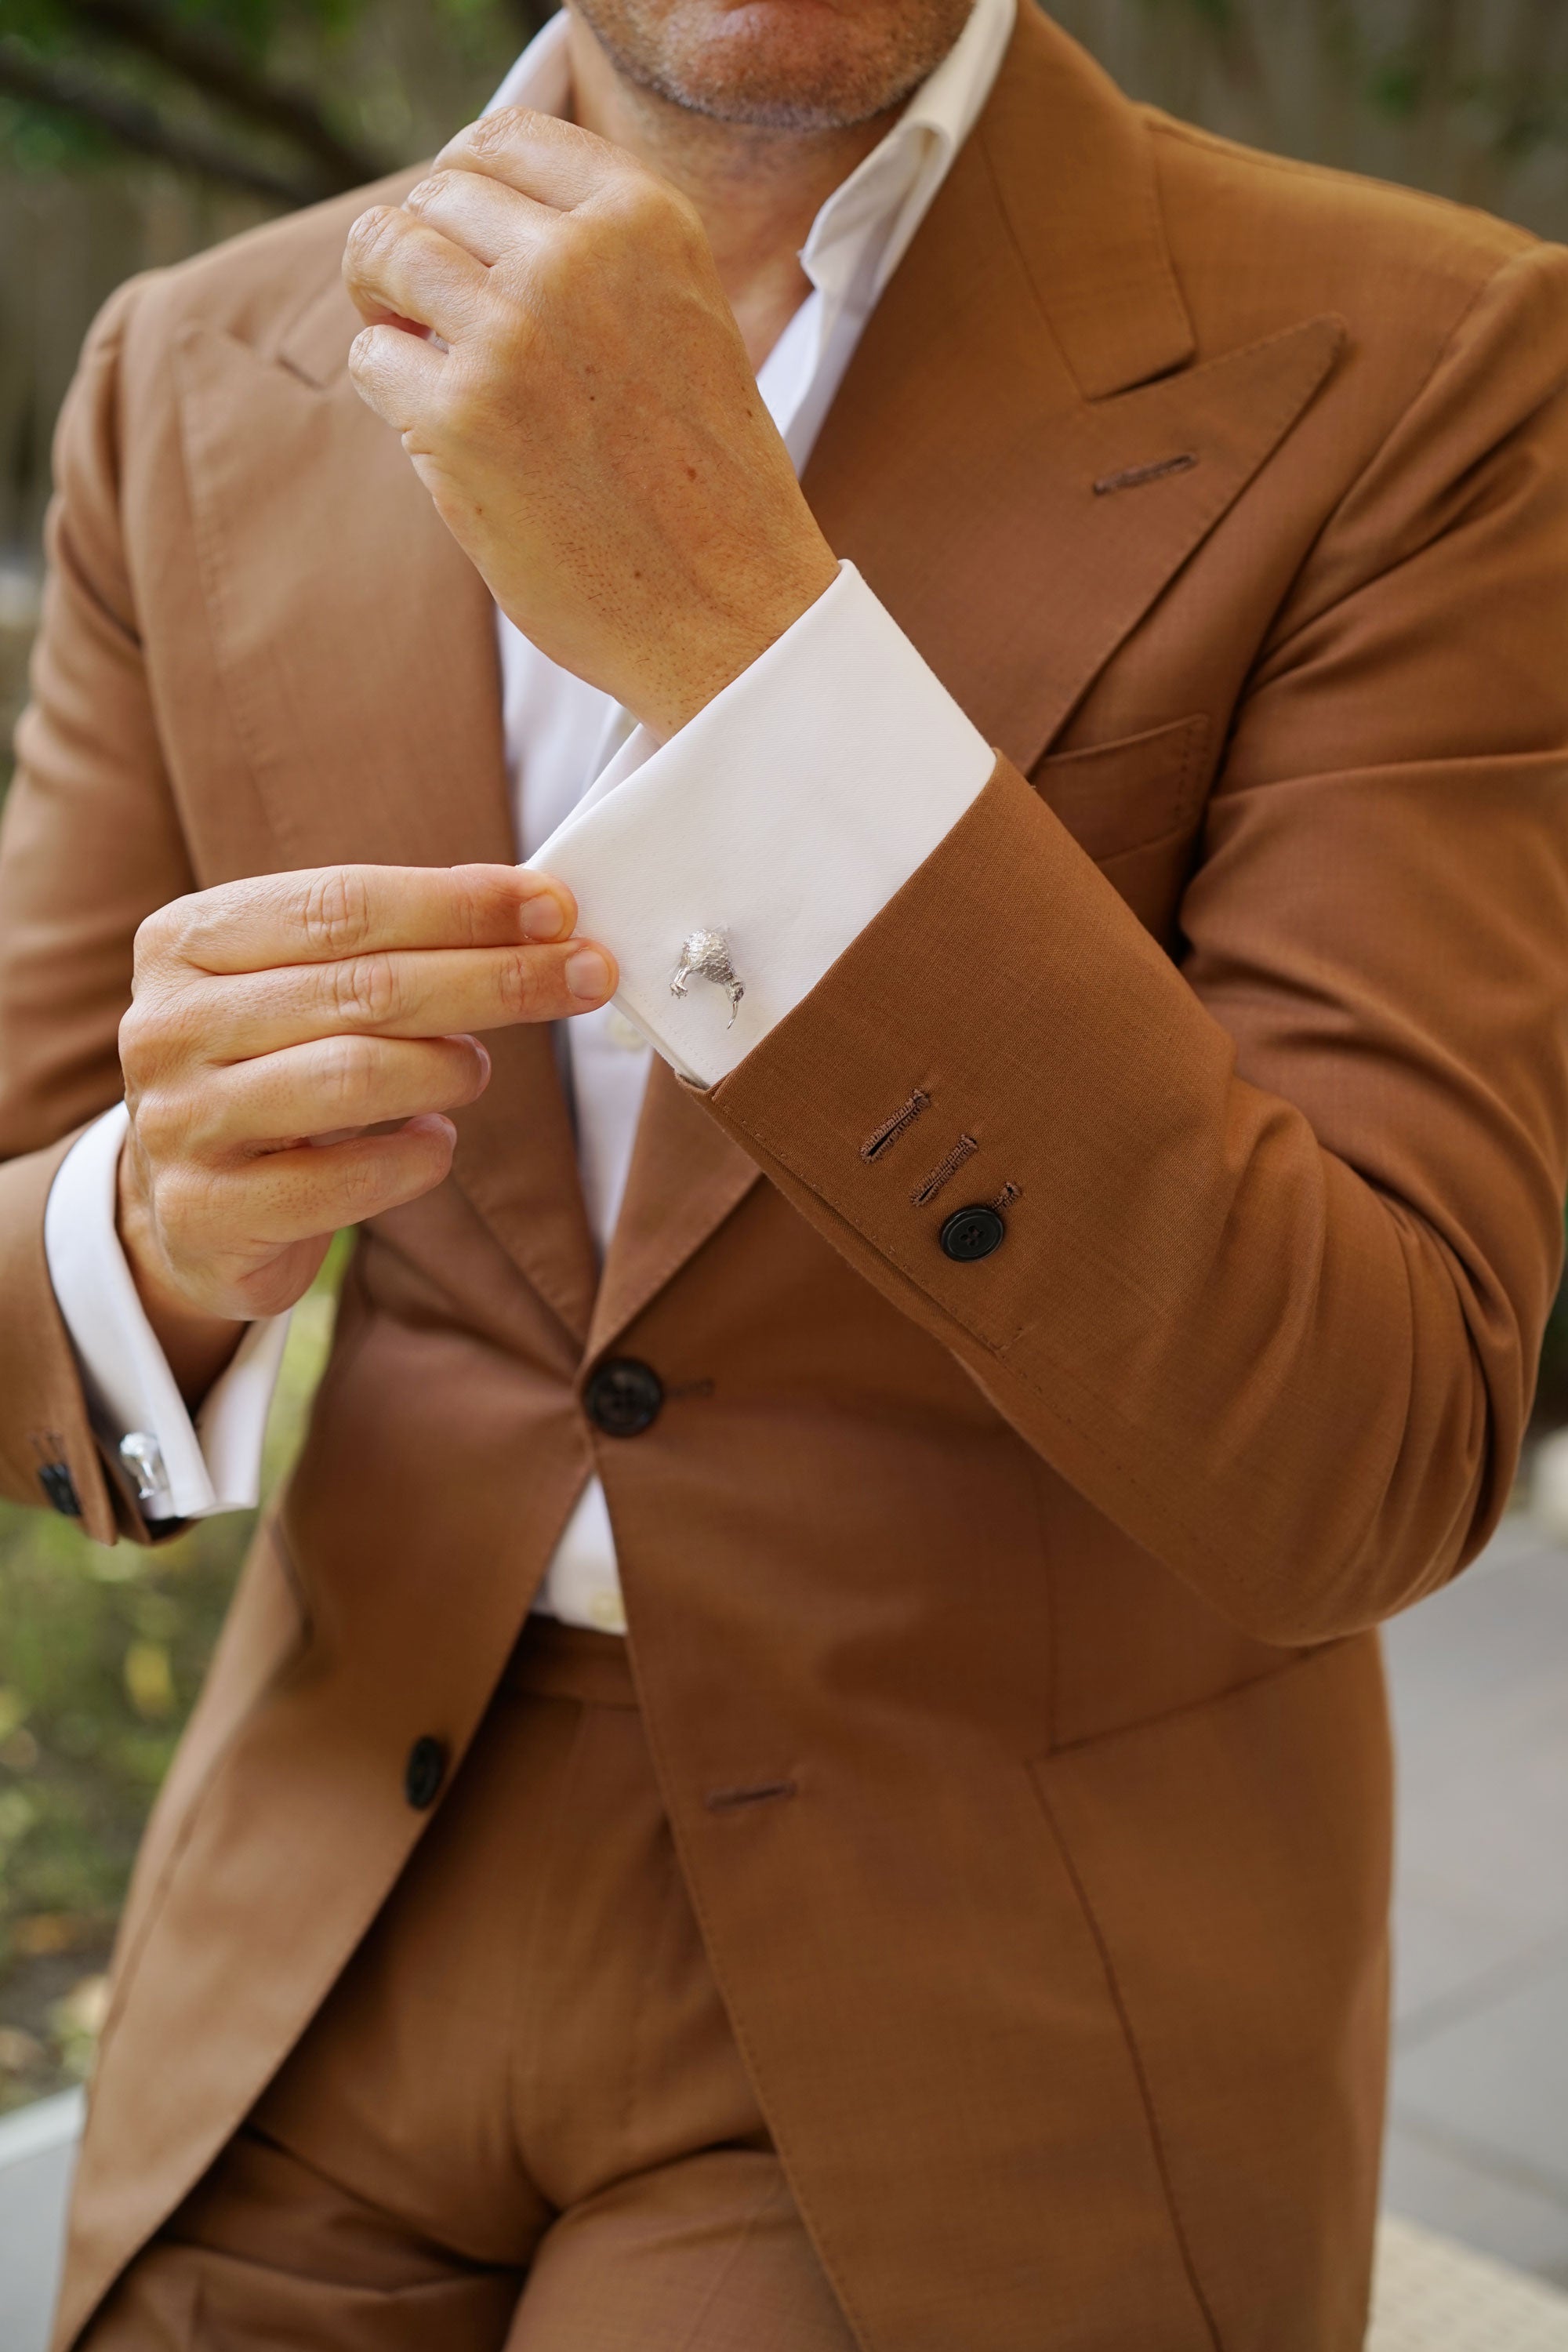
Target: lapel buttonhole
x,y
1133,478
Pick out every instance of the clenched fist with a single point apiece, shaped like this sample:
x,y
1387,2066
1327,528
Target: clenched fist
x,y
291,1048
549,334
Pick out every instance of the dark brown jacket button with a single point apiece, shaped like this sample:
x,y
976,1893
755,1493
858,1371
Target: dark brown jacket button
x,y
973,1232
623,1397
424,1773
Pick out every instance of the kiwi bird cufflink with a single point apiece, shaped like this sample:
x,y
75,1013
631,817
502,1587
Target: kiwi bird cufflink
x,y
705,955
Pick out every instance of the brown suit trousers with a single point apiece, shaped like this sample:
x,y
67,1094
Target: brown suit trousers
x,y
1230,498
520,2119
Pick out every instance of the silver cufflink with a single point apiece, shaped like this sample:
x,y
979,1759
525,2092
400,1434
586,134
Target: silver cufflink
x,y
706,956
144,1457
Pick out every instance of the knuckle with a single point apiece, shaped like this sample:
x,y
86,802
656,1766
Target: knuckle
x,y
334,914
134,1038
365,990
493,134
178,1194
518,981
160,1126
472,905
369,1179
370,234
681,217
147,1035
179,931
187,930
191,924
347,1077
651,208
152,941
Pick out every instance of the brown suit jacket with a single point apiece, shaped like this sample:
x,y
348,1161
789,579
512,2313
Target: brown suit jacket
x,y
1231,500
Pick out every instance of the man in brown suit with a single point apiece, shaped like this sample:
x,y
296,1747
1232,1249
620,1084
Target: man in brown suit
x,y
1027,1362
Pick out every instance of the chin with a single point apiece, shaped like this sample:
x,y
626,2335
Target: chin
x,y
797,65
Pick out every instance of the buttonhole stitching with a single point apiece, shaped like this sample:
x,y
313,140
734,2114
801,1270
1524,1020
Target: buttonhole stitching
x,y
1007,1196
903,1120
964,1149
729,1800
1133,478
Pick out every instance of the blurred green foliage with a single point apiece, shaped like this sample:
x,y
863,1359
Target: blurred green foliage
x,y
284,100
102,1655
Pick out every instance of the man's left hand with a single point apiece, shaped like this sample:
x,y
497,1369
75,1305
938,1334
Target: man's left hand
x,y
548,333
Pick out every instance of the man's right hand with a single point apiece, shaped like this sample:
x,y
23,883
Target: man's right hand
x,y
292,1045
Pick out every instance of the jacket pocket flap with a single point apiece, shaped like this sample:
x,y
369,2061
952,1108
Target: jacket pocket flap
x,y
1123,796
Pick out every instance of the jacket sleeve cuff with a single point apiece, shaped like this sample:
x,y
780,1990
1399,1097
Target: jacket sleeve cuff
x,y
785,816
180,1469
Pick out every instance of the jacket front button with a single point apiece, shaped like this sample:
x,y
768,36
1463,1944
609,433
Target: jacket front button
x,y
973,1232
624,1397
424,1773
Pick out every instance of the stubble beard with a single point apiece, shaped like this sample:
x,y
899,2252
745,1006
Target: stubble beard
x,y
749,64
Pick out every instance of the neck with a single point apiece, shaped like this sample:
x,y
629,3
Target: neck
x,y
757,191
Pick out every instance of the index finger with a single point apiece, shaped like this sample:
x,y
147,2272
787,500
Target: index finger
x,y
328,913
555,162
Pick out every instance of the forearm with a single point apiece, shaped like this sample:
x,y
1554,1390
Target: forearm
x,y
1233,1345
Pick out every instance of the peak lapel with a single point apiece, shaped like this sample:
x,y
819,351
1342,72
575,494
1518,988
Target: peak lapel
x,y
357,650
1030,355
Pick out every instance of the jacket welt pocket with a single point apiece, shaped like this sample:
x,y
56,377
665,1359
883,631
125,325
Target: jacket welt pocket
x,y
1133,793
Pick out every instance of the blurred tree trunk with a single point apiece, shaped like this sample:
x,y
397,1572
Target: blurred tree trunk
x,y
210,140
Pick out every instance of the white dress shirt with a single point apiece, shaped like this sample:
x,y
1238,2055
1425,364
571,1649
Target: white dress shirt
x,y
785,814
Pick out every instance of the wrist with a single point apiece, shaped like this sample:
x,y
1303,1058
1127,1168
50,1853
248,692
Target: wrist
x,y
698,659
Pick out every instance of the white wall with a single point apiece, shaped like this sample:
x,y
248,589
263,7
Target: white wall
x,y
37,2149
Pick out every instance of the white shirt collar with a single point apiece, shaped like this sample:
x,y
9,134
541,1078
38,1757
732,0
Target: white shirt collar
x,y
541,77
882,202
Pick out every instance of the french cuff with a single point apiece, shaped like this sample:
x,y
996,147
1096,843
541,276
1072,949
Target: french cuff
x,y
779,822
178,1469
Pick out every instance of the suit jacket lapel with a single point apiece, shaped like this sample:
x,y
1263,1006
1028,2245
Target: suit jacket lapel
x,y
1022,455
357,650
1020,458
684,1178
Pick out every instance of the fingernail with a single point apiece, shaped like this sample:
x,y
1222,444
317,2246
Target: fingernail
x,y
542,917
588,975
